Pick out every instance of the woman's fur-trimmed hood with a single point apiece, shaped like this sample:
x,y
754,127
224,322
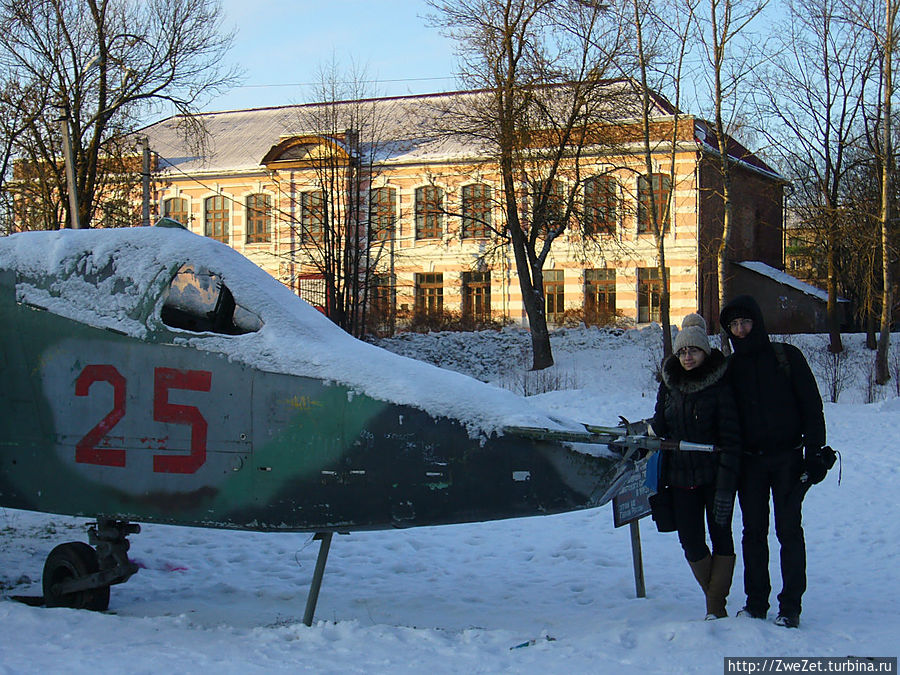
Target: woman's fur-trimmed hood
x,y
688,381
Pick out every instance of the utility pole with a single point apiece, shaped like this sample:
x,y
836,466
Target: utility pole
x,y
145,182
70,170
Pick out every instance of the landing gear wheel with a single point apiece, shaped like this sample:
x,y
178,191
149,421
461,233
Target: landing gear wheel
x,y
69,561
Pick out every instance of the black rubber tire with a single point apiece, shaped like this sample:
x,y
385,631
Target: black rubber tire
x,y
73,560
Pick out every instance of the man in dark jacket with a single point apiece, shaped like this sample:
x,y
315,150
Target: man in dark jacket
x,y
781,416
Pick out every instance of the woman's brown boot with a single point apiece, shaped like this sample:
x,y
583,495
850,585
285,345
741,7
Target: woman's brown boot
x,y
722,569
702,570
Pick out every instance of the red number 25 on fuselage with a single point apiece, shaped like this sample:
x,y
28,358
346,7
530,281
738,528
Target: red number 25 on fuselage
x,y
164,379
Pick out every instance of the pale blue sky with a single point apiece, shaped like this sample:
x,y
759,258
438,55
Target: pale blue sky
x,y
281,45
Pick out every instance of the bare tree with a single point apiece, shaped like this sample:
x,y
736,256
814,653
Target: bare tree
x,y
882,369
103,65
541,65
813,95
660,31
20,107
334,234
877,20
860,246
722,36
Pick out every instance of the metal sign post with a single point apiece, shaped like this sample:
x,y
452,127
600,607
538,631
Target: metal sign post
x,y
638,562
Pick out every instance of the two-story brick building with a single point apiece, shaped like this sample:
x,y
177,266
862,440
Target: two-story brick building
x,y
430,202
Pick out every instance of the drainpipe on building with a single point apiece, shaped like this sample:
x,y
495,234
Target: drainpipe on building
x,y
292,269
788,191
699,271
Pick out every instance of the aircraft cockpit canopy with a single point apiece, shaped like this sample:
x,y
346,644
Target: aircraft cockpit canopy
x,y
199,301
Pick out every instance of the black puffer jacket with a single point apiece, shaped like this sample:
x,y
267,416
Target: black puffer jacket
x,y
779,408
698,406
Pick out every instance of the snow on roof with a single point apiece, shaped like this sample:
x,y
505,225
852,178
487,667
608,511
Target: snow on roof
x,y
786,279
118,278
406,129
238,140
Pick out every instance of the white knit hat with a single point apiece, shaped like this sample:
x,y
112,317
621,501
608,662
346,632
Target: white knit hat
x,y
692,334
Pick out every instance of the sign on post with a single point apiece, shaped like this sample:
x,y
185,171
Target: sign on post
x,y
632,501
629,506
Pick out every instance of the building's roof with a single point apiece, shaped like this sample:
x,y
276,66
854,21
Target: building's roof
x,y
237,140
706,138
786,279
409,129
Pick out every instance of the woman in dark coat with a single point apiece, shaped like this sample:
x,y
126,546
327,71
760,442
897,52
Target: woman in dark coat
x,y
695,404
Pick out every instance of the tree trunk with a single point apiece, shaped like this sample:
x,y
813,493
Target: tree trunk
x,y
722,279
664,302
871,332
835,346
528,268
531,285
882,370
541,355
871,342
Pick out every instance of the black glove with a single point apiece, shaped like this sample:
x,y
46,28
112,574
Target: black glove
x,y
815,465
723,507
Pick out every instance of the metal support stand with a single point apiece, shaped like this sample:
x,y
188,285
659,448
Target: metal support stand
x,y
313,598
637,559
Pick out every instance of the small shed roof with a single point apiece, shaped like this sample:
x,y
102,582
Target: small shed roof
x,y
786,279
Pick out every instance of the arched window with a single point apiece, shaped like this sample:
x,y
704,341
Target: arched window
x,y
176,208
216,218
258,210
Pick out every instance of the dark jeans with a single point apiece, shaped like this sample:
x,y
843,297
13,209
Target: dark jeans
x,y
691,505
778,474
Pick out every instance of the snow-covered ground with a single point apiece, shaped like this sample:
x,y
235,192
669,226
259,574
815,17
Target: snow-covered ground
x,y
460,599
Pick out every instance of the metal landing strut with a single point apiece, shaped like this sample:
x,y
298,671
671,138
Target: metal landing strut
x,y
313,597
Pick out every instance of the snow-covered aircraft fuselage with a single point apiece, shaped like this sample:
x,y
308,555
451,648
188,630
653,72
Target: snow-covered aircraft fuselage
x,y
149,374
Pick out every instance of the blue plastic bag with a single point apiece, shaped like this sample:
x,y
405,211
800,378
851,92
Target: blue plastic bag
x,y
654,466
